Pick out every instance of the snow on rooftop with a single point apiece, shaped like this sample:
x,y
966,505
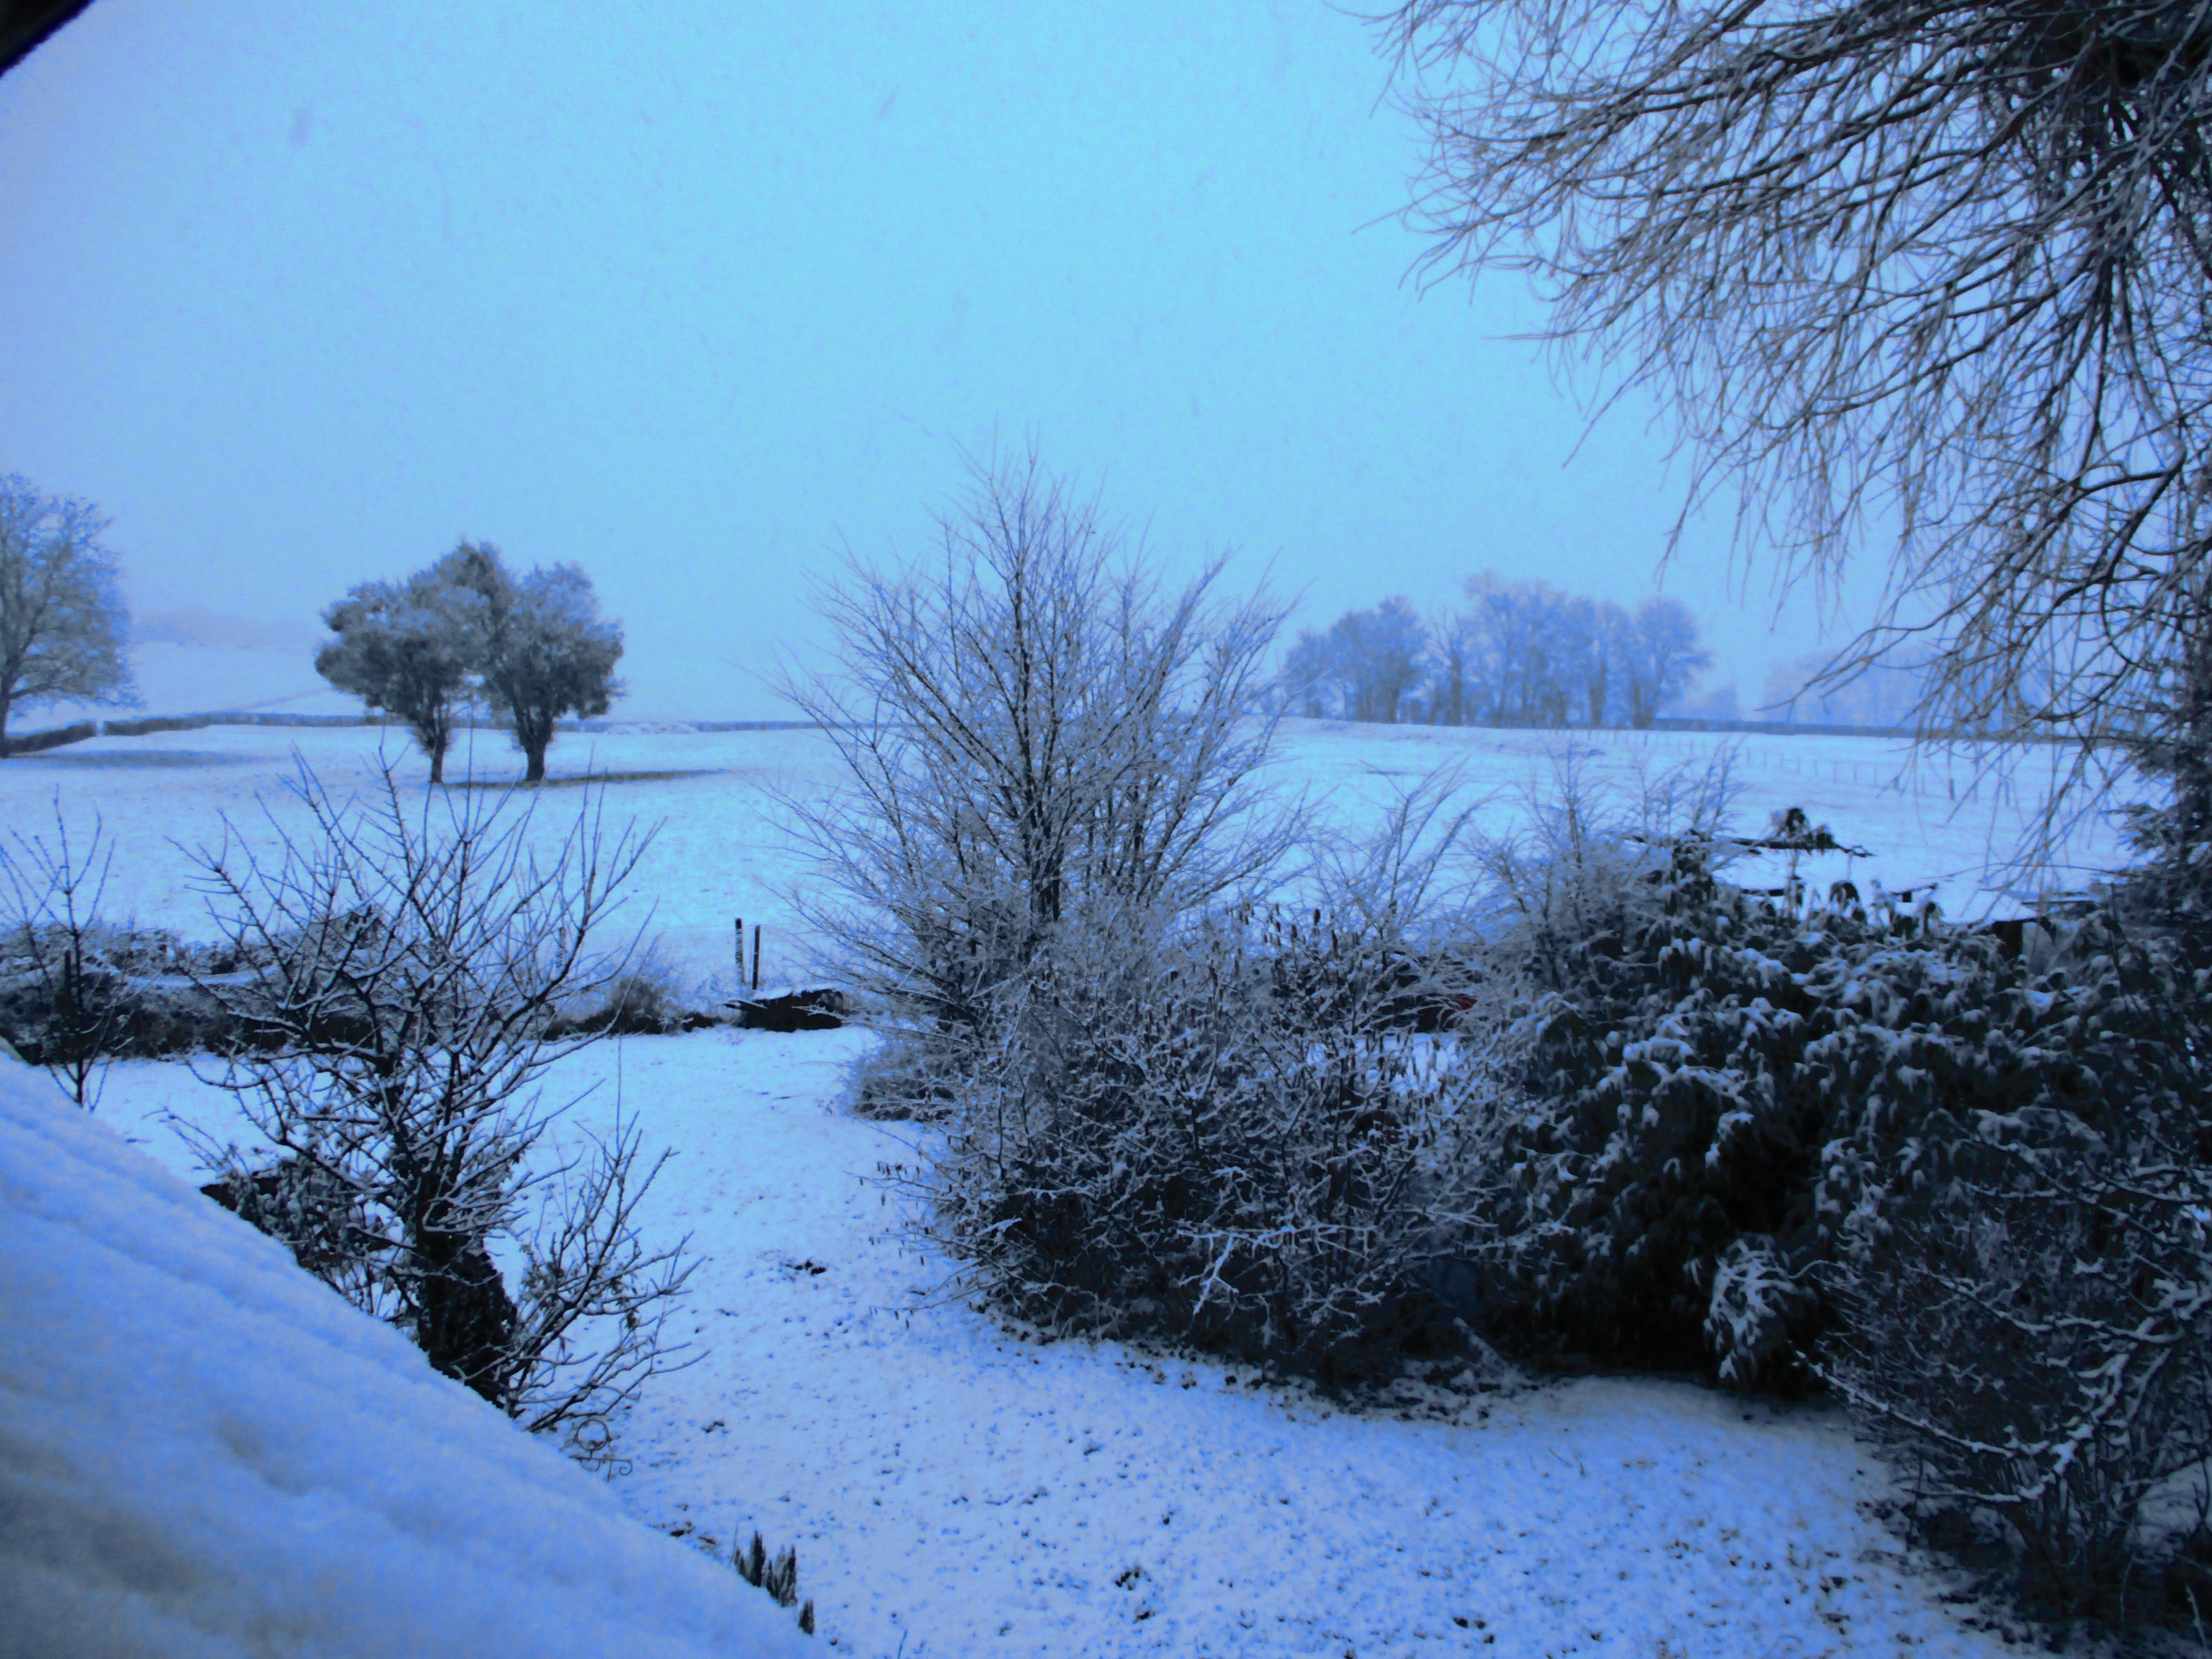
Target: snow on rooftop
x,y
205,1451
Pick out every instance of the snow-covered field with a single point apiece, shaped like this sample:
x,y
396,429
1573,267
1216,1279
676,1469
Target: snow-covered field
x,y
719,854
954,1489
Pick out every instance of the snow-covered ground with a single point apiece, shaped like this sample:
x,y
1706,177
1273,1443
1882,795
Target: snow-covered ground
x,y
720,854
954,1489
203,1451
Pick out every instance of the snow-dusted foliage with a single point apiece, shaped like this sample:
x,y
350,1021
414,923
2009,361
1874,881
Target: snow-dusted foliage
x,y
1721,1091
1964,1180
1232,1133
2029,1330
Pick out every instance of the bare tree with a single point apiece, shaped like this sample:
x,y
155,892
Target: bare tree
x,y
1454,694
1528,649
1661,658
53,890
1030,726
1939,263
408,961
1365,666
1312,678
62,615
1603,648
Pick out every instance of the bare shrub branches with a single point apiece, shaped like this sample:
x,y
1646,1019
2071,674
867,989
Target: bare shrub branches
x,y
49,949
407,967
1947,263
1029,725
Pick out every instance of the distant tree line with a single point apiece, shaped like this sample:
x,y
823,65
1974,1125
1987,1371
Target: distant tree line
x,y
1518,653
531,647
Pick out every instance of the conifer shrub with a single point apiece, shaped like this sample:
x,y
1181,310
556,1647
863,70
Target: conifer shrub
x,y
1718,1094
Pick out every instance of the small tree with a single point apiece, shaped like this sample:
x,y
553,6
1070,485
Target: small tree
x,y
1030,726
546,650
409,649
62,615
408,968
52,894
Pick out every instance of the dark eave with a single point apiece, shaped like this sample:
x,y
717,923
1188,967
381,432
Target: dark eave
x,y
24,24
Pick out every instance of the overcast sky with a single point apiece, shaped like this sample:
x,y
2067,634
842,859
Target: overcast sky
x,y
694,295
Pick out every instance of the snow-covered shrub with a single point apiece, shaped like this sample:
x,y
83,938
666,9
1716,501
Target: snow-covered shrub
x,y
913,1075
2028,1330
404,965
1228,1129
1719,1090
643,1001
1650,1011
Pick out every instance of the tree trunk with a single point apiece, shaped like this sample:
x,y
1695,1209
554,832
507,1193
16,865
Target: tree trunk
x,y
465,1319
5,701
533,733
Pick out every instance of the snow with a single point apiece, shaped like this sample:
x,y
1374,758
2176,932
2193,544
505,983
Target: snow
x,y
203,1451
720,852
951,1488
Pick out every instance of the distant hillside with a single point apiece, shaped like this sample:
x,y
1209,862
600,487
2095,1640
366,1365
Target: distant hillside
x,y
195,626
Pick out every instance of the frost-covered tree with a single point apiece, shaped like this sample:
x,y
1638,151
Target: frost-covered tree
x,y
535,647
1034,732
1453,694
1936,266
1364,667
1602,660
63,621
545,650
1526,649
409,648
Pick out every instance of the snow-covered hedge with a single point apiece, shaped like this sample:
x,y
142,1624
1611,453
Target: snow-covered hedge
x,y
205,1451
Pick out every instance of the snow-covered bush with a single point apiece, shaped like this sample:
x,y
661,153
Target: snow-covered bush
x,y
643,1001
1780,1141
405,965
1718,1090
2029,1332
1229,1130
